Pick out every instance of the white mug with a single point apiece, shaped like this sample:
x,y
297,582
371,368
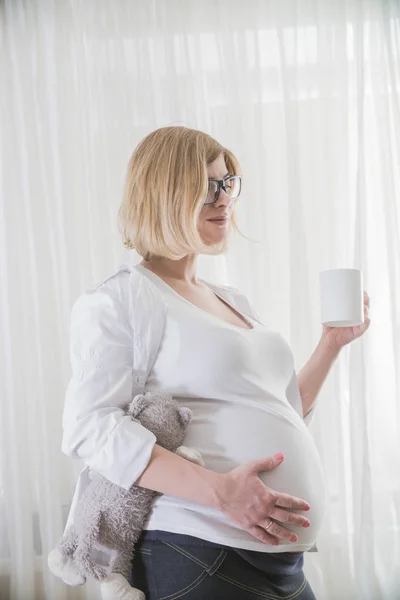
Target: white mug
x,y
341,297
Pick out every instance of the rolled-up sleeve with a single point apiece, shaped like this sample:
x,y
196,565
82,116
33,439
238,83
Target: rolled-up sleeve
x,y
95,426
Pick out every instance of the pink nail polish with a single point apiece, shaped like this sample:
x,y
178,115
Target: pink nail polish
x,y
294,538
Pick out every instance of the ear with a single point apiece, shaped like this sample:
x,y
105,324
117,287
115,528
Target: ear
x,y
185,415
136,406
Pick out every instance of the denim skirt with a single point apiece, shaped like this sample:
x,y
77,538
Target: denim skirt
x,y
168,566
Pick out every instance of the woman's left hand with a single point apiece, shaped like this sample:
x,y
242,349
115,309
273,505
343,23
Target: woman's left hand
x,y
337,337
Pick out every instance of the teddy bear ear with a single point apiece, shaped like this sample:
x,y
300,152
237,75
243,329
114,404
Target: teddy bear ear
x,y
185,415
137,405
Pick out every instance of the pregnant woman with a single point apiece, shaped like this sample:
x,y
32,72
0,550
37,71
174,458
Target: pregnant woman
x,y
238,527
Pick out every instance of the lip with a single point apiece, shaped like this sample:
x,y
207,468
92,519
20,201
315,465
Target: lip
x,y
219,220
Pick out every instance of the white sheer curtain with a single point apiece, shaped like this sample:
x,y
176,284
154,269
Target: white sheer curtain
x,y
307,95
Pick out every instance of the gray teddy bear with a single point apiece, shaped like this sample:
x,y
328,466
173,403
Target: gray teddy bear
x,y
109,519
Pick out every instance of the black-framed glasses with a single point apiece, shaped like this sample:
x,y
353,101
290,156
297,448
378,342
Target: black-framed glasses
x,y
231,186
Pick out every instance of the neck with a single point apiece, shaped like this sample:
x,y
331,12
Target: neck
x,y
183,270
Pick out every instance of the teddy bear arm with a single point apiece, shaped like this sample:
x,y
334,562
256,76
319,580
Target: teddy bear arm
x,y
191,454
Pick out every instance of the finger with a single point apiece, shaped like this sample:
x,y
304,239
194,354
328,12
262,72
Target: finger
x,y
266,464
262,535
366,324
291,502
287,517
280,532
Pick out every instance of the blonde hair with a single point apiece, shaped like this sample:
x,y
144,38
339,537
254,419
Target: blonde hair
x,y
165,187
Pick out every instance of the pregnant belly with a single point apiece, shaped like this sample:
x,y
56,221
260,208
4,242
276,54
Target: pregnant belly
x,y
229,435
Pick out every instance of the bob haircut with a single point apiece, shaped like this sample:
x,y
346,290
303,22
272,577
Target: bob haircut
x,y
165,187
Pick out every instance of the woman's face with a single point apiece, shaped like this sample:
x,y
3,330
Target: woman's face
x,y
213,231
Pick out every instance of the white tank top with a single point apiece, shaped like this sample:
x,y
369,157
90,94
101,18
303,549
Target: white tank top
x,y
234,380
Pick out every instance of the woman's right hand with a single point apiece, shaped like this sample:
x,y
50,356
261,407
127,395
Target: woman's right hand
x,y
245,499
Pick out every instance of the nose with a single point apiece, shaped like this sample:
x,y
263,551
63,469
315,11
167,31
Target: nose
x,y
223,199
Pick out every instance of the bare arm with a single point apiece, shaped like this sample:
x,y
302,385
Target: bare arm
x,y
313,374
171,474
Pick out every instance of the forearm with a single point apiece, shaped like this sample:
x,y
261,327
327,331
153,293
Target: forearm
x,y
313,374
171,474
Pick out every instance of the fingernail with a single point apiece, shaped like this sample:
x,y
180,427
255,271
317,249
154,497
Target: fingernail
x,y
307,507
279,456
294,538
307,524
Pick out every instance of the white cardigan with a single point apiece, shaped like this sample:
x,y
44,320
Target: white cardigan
x,y
115,332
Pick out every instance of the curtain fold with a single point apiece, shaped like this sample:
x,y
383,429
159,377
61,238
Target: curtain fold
x,y
307,95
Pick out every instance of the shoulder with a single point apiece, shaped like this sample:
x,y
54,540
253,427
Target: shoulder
x,y
123,291
122,313
117,282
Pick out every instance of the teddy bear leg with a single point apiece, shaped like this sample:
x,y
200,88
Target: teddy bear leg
x,y
61,563
88,540
116,587
191,454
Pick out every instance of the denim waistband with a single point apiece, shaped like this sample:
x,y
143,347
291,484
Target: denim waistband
x,y
285,563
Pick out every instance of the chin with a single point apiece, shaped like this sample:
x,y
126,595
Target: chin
x,y
214,240
212,235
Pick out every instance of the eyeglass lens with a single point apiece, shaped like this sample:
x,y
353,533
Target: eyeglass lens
x,y
232,186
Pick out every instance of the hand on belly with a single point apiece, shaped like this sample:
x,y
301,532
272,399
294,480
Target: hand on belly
x,y
300,475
